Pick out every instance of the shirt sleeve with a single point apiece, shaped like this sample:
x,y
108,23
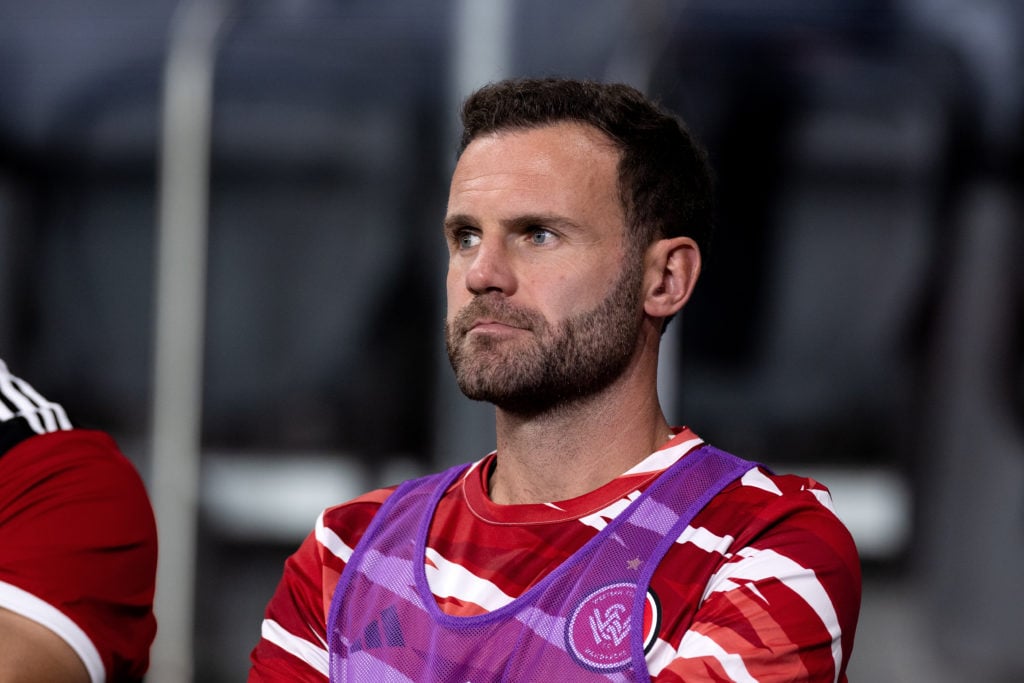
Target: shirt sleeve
x,y
783,606
293,644
293,635
78,547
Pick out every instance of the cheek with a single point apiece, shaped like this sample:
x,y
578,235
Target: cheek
x,y
571,292
455,291
561,299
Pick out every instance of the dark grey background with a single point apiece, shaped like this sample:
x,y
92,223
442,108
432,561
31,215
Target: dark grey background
x,y
860,315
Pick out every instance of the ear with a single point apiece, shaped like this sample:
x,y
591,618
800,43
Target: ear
x,y
672,266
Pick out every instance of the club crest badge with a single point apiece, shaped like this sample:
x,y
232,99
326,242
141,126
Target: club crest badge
x,y
599,633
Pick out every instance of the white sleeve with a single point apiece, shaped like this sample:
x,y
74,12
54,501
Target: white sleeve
x,y
31,607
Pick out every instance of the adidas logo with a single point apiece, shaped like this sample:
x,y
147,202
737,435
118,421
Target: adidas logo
x,y
383,631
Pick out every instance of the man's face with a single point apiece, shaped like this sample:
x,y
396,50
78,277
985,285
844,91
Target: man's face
x,y
543,304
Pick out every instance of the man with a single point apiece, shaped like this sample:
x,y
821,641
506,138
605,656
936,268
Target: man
x,y
596,542
77,549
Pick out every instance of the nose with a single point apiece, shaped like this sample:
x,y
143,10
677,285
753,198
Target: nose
x,y
490,269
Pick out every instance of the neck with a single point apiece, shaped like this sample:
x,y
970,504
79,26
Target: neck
x,y
572,450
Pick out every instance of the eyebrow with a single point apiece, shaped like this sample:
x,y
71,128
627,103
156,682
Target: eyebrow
x,y
456,221
459,220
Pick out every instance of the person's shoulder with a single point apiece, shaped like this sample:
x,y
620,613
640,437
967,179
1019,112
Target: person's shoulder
x,y
760,486
74,455
75,446
86,460
782,523
346,522
371,501
78,490
356,513
761,502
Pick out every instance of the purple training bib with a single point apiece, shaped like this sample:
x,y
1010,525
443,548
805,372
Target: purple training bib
x,y
581,622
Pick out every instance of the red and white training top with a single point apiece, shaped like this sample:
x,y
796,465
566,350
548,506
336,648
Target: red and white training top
x,y
78,539
763,585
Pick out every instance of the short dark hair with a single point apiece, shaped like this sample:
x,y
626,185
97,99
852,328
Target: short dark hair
x,y
665,182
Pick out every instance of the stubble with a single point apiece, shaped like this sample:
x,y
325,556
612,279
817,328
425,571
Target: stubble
x,y
555,365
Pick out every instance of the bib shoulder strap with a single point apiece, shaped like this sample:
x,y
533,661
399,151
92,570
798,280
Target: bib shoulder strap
x,y
427,488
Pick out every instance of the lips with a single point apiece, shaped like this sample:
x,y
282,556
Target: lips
x,y
491,324
492,315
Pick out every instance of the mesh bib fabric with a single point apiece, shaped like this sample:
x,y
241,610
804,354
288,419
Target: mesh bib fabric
x,y
582,622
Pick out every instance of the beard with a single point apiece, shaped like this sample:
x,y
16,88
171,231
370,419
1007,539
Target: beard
x,y
561,364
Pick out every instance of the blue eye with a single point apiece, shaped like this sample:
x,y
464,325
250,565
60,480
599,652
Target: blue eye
x,y
541,236
467,240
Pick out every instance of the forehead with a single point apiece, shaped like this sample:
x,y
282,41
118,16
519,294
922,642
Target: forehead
x,y
560,166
